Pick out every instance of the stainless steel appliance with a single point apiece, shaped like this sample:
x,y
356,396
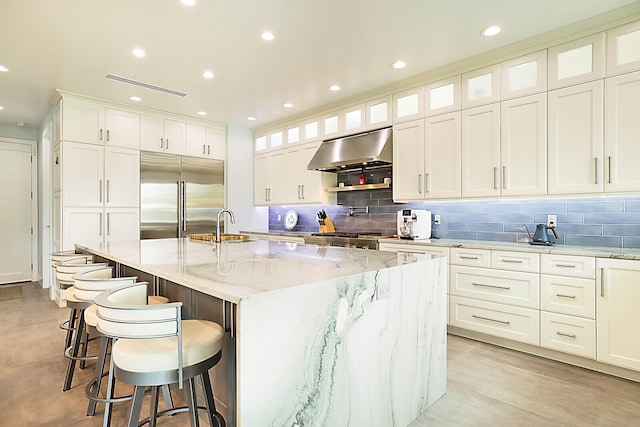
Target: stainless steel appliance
x,y
370,149
179,195
355,239
414,224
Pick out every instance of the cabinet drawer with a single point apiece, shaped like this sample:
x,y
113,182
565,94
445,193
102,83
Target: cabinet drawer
x,y
568,265
415,249
471,257
515,261
514,323
568,295
568,334
507,287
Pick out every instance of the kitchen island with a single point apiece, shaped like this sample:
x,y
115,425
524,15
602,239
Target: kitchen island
x,y
321,336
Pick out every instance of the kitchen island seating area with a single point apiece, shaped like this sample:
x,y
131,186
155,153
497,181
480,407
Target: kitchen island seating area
x,y
155,347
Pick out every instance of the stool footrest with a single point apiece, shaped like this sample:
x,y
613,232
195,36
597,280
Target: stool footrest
x,y
92,396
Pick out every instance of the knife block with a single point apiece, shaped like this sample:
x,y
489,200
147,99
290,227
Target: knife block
x,y
327,227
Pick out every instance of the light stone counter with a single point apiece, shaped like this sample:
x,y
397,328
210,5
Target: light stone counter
x,y
594,251
324,336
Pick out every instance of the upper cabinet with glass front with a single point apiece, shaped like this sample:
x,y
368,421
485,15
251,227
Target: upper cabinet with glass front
x,y
442,96
623,49
408,105
270,140
378,113
576,62
294,134
526,75
481,87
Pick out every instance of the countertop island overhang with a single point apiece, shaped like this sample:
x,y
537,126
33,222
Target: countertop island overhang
x,y
323,336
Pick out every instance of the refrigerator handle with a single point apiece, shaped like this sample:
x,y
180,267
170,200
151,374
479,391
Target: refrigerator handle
x,y
184,206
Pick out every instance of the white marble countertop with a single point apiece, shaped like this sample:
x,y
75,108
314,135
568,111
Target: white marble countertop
x,y
596,251
233,271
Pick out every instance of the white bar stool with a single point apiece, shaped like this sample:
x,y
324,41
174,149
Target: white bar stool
x,y
156,347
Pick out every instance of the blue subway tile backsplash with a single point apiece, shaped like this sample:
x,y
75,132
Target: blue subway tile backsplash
x,y
609,221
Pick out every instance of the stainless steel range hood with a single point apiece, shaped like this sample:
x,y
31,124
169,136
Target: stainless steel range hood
x,y
370,149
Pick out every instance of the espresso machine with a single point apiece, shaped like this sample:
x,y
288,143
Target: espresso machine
x,y
414,224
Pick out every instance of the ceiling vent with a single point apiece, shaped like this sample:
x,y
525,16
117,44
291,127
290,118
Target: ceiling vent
x,y
144,85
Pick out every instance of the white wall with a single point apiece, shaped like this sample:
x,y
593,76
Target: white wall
x,y
239,183
12,131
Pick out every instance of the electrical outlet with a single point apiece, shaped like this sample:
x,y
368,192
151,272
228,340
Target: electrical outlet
x,y
552,220
436,219
279,217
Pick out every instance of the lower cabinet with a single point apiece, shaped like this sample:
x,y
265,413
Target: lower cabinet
x,y
97,225
618,287
569,334
500,320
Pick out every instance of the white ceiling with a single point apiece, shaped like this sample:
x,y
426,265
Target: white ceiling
x,y
71,44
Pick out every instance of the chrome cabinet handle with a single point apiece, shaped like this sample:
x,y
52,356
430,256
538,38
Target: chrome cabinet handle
x,y
596,168
484,285
495,181
100,134
609,169
420,183
602,282
504,322
468,257
566,265
161,142
204,149
166,143
265,195
100,191
107,135
565,334
426,183
299,192
208,149
108,191
513,261
108,223
504,177
302,186
100,224
184,206
566,296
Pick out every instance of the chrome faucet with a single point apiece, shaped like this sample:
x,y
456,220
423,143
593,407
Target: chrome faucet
x,y
233,221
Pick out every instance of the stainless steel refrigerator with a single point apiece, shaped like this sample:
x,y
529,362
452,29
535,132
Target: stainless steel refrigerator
x,y
179,195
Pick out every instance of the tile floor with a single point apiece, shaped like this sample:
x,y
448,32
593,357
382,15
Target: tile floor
x,y
486,385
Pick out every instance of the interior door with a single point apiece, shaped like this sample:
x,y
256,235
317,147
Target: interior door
x,y
15,212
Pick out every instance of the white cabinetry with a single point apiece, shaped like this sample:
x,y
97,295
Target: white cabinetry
x,y
623,49
577,61
524,76
303,185
206,142
480,87
622,137
427,158
575,139
567,301
481,151
502,302
523,146
408,105
269,178
442,96
618,285
378,113
162,135
92,123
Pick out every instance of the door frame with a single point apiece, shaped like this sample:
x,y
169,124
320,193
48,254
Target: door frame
x,y
32,145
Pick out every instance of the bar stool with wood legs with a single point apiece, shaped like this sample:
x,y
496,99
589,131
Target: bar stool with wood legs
x,y
87,286
155,347
77,340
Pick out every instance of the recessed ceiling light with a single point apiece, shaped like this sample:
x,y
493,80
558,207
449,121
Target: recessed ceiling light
x,y
207,74
491,31
251,118
267,35
1,107
21,124
202,113
334,88
188,2
398,65
139,53
135,98
287,105
3,68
